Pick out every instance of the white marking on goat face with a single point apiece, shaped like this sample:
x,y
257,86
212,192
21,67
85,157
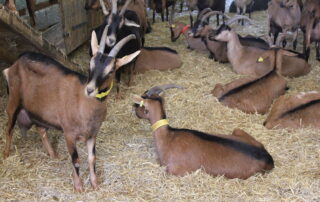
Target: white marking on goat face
x,y
223,36
100,68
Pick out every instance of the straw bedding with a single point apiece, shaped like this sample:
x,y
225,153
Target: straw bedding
x,y
126,161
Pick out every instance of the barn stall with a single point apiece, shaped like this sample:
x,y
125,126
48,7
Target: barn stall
x,y
127,165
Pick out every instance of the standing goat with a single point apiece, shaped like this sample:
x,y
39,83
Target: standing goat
x,y
242,7
183,151
295,111
160,5
44,93
284,16
122,23
310,25
255,95
214,5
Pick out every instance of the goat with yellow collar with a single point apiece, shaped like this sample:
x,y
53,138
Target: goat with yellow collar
x,y
183,151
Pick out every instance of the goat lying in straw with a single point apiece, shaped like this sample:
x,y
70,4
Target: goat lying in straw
x,y
183,151
255,94
296,111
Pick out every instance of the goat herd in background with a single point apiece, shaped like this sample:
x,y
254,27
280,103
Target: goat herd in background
x,y
76,103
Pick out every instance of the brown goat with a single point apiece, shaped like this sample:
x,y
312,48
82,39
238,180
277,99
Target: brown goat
x,y
184,151
253,95
157,58
284,16
295,111
310,25
44,93
243,58
192,43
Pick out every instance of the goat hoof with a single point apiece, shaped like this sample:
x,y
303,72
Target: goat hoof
x,y
78,186
6,154
94,183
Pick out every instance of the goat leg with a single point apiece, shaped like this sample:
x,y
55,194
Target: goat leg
x,y
31,4
12,111
72,148
172,11
91,147
45,141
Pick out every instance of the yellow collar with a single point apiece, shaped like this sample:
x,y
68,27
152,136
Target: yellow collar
x,y
104,94
159,123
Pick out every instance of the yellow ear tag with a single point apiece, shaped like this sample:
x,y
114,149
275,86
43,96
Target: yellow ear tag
x,y
141,103
173,26
260,59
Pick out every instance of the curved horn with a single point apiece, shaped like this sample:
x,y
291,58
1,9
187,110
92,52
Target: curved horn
x,y
158,89
201,13
104,9
114,6
204,17
102,44
124,8
238,17
113,53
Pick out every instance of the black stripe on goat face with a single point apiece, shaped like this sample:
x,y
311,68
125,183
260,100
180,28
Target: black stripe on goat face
x,y
101,74
197,27
222,33
114,21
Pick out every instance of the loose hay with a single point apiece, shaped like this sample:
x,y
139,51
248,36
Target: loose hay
x,y
126,159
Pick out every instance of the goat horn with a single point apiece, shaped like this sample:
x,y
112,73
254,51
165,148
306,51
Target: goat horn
x,y
201,13
102,44
104,9
113,53
158,89
204,17
124,8
238,17
114,6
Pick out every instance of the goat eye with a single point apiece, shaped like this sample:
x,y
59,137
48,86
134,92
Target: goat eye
x,y
146,111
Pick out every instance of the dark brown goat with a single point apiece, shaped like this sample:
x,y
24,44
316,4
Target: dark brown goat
x,y
183,151
295,111
255,95
160,5
44,93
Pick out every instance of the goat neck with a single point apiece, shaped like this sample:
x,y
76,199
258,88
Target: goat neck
x,y
234,46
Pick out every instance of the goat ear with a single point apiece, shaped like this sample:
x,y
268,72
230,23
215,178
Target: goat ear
x,y
94,43
137,99
130,23
126,59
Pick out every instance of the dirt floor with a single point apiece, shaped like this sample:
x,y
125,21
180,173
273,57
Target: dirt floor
x,y
126,160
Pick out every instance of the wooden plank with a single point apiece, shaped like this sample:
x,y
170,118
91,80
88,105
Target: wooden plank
x,y
39,6
24,30
74,23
